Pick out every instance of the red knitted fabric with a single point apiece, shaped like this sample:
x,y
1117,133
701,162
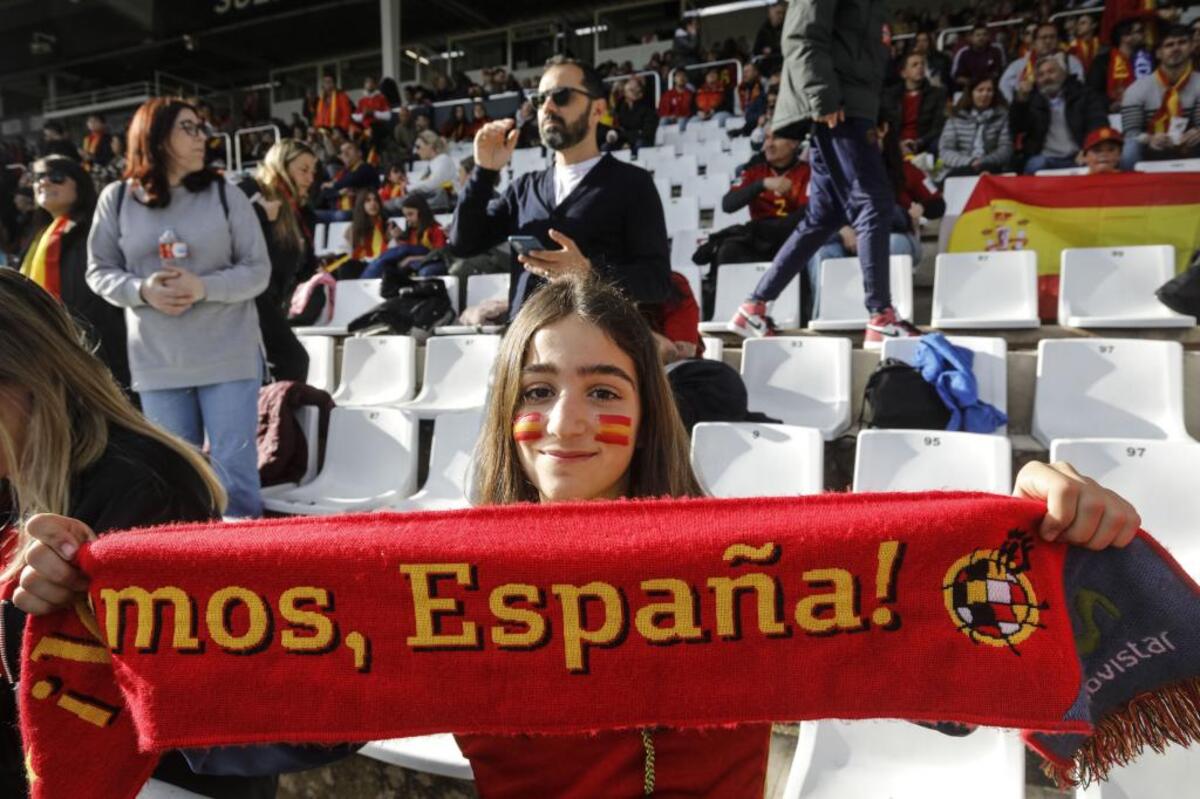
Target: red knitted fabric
x,y
566,618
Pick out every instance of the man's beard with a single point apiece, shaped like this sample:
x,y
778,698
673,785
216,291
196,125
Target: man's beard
x,y
566,135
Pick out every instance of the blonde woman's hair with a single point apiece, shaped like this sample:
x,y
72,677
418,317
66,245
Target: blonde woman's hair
x,y
74,403
661,465
432,138
273,179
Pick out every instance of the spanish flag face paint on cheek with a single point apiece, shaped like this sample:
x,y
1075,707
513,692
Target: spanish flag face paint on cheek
x,y
528,427
614,429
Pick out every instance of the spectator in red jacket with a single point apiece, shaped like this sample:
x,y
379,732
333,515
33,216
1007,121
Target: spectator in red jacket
x,y
333,106
677,102
774,184
371,106
712,99
479,118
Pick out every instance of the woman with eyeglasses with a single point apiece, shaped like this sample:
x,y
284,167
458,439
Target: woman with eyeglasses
x,y
57,256
184,255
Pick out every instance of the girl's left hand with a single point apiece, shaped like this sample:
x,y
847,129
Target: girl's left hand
x,y
1078,509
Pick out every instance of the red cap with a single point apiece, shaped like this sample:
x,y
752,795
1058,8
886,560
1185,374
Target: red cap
x,y
1101,135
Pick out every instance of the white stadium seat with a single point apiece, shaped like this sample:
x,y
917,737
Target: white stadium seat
x,y
321,367
683,245
1158,477
1152,775
692,273
955,193
450,463
722,220
899,760
352,299
1184,165
932,460
677,169
663,186
985,290
528,159
370,460
429,754
841,305
734,284
1067,172
1114,287
480,289
1096,387
157,789
334,241
714,348
682,213
745,459
707,189
800,381
319,233
990,365
377,370
722,163
623,155
457,372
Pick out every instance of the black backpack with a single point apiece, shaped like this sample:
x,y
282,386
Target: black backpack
x,y
897,396
413,307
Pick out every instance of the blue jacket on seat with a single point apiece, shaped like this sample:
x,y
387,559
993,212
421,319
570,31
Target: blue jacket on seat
x,y
950,369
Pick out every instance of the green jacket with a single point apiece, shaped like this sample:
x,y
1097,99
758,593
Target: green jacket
x,y
833,58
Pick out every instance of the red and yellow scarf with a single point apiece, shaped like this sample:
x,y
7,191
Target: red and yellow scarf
x,y
1085,50
1120,73
43,263
368,252
1171,106
608,615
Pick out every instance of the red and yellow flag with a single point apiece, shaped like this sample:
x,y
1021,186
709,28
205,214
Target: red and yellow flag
x,y
528,427
614,429
1050,214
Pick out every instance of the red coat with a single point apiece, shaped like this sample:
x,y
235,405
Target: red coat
x,y
768,204
333,111
369,104
675,103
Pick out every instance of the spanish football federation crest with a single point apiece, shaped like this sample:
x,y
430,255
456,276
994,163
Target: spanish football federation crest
x,y
989,594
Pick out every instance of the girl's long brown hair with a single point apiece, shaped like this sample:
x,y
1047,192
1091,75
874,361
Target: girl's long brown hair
x,y
660,466
146,151
75,402
362,225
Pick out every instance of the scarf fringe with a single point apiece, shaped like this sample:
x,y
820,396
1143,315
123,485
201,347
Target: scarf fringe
x,y
1168,715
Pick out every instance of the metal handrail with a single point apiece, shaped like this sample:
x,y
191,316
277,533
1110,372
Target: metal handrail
x,y
1006,23
228,147
1077,12
737,104
653,73
107,94
237,140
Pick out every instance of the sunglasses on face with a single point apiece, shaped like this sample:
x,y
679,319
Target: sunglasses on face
x,y
560,96
57,178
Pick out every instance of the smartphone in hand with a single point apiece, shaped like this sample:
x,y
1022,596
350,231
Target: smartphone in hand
x,y
526,244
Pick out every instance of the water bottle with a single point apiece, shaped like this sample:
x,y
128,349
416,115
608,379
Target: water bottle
x,y
171,251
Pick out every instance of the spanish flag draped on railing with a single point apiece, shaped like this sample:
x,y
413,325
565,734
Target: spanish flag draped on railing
x,y
609,615
1050,214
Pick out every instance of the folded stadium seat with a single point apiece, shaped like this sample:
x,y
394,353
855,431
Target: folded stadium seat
x,y
157,789
704,129
723,163
623,155
352,299
667,135
321,366
1183,165
899,760
1114,287
932,460
722,220
677,169
444,220
955,193
370,460
682,213
480,288
1069,171
683,245
664,152
527,159
735,122
430,754
1114,121
708,189
457,373
309,419
714,348
740,149
985,290
706,150
800,381
744,459
450,462
841,302
1108,387
377,370
734,284
663,186
1158,477
334,240
319,237
1153,775
990,365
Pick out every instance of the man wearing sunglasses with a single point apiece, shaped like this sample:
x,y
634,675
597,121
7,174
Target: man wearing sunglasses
x,y
603,215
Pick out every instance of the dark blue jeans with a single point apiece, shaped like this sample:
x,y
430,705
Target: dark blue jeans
x,y
848,187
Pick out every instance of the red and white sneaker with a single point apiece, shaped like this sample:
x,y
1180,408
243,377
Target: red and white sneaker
x,y
887,324
751,321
